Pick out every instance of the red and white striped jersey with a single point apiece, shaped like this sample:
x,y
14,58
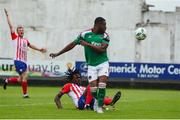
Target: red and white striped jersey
x,y
74,91
21,47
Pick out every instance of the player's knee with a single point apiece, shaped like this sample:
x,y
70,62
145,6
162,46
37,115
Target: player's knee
x,y
24,77
93,89
24,80
102,85
103,78
93,83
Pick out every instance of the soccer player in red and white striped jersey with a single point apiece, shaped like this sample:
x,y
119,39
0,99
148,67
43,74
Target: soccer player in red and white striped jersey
x,y
21,45
81,96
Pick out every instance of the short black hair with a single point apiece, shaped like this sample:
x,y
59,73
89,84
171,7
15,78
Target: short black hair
x,y
71,72
99,20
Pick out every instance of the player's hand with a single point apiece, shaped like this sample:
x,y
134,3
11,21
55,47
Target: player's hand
x,y
83,43
53,55
6,12
43,50
60,107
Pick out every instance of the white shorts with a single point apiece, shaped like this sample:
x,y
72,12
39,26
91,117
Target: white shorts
x,y
96,71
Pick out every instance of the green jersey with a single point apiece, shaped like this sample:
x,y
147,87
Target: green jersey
x,y
93,58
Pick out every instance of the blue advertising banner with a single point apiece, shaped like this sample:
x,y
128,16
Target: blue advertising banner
x,y
138,70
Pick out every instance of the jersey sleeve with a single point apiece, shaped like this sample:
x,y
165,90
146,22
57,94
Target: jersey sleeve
x,y
13,36
77,40
28,43
106,38
66,88
79,37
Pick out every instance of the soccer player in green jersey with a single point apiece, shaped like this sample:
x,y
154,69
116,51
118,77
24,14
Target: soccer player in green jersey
x,y
95,42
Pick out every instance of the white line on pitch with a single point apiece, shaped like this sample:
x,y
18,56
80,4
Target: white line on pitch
x,y
21,105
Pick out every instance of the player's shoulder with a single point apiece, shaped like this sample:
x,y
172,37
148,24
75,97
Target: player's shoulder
x,y
66,88
106,36
14,36
67,85
83,33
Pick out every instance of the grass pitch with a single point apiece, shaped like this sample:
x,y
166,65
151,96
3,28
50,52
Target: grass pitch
x,y
137,104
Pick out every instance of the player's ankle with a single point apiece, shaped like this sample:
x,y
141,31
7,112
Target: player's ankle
x,y
6,80
100,110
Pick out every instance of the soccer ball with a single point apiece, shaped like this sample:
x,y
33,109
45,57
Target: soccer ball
x,y
140,33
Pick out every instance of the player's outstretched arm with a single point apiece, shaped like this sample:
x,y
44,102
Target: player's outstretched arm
x,y
9,22
38,49
57,100
66,49
99,49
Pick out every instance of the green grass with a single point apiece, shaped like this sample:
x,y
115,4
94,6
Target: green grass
x,y
134,104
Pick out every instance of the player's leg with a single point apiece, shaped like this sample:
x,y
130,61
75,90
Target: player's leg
x,y
89,98
92,78
111,101
93,88
107,101
21,68
101,92
103,74
10,80
81,102
116,97
24,84
14,80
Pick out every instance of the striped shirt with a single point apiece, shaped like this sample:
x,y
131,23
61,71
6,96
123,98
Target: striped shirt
x,y
74,91
21,47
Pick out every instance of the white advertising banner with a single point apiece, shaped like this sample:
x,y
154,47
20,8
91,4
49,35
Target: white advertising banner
x,y
36,68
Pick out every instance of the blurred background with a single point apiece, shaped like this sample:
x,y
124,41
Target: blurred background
x,y
151,63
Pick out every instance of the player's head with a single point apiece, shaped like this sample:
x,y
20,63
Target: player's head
x,y
100,25
20,31
73,75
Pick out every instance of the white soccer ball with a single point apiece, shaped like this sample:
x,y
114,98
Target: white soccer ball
x,y
140,33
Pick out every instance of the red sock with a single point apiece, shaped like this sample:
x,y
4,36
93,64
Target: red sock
x,y
88,95
107,100
12,80
24,86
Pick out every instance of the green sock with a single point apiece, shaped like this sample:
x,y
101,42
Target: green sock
x,y
94,93
101,95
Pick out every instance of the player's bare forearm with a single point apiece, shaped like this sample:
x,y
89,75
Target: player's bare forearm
x,y
57,100
9,22
66,49
36,48
98,49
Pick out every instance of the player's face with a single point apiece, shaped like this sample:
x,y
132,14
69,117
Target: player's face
x,y
76,78
102,27
20,31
